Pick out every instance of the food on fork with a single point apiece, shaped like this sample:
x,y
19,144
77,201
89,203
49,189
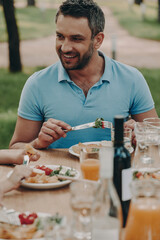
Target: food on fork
x,y
99,123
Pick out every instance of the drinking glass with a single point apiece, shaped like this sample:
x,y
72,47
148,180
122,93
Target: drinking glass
x,y
127,138
154,122
89,162
81,199
144,213
56,228
147,152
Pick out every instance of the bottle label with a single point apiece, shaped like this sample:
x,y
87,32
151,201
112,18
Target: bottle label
x,y
126,180
103,234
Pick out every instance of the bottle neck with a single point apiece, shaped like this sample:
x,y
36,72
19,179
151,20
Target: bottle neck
x,y
118,137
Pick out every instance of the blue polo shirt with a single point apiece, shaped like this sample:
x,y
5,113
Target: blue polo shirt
x,y
50,93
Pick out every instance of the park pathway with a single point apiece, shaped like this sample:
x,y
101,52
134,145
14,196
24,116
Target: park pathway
x,y
130,50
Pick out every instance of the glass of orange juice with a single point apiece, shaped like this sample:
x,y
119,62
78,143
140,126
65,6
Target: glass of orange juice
x,y
90,163
144,214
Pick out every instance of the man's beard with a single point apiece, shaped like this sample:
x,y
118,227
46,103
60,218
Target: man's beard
x,y
81,63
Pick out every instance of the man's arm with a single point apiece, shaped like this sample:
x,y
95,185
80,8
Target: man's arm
x,y
149,114
139,118
37,134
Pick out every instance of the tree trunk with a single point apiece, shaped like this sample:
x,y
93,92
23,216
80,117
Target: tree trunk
x,y
159,11
138,2
13,36
30,2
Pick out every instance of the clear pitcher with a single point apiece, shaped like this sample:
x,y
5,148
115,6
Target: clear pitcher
x,y
143,221
147,152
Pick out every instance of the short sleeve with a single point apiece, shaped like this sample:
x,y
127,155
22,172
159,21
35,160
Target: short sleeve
x,y
142,100
29,105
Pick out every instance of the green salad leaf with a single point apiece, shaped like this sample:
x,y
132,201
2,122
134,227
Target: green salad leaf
x,y
98,123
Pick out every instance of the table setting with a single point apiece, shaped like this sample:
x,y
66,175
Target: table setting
x,y
75,170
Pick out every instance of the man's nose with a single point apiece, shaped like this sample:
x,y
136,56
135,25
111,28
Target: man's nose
x,y
66,46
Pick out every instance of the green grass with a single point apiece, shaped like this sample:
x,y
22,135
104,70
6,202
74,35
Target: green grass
x,y
7,125
132,21
11,87
32,23
153,80
10,91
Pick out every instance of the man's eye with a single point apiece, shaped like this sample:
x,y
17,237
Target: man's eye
x,y
59,36
77,39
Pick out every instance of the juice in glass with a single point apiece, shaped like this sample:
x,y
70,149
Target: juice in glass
x,y
90,169
143,221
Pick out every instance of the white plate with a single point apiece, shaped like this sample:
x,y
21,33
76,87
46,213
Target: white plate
x,y
104,143
48,185
41,215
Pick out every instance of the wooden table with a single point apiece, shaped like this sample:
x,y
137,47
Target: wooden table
x,y
48,201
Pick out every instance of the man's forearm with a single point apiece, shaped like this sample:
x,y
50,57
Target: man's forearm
x,y
17,145
37,145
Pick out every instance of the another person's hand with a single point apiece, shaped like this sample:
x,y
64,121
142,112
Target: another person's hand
x,y
13,181
130,124
51,131
30,151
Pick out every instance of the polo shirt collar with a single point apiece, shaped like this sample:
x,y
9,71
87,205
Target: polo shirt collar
x,y
107,75
62,73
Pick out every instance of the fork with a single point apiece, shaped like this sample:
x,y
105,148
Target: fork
x,y
26,160
105,124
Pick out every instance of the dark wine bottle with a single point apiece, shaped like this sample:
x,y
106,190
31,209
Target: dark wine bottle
x,y
122,175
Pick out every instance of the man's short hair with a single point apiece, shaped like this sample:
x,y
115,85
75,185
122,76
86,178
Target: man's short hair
x,y
87,9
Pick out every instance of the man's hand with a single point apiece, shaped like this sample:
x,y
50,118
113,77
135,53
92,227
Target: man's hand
x,y
50,131
130,124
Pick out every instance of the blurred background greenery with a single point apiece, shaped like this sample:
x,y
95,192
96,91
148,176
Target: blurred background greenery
x,y
38,21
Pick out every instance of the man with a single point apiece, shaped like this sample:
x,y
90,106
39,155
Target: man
x,y
83,86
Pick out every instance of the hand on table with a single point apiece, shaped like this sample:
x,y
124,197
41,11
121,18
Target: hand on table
x,y
51,131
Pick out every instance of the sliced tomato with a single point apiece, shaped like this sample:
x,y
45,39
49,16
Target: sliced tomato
x,y
138,175
22,215
30,220
24,219
48,171
33,215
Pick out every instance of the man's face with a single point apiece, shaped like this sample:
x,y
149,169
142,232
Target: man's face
x,y
74,45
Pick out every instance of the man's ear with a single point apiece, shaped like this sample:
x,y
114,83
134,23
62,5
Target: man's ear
x,y
98,39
